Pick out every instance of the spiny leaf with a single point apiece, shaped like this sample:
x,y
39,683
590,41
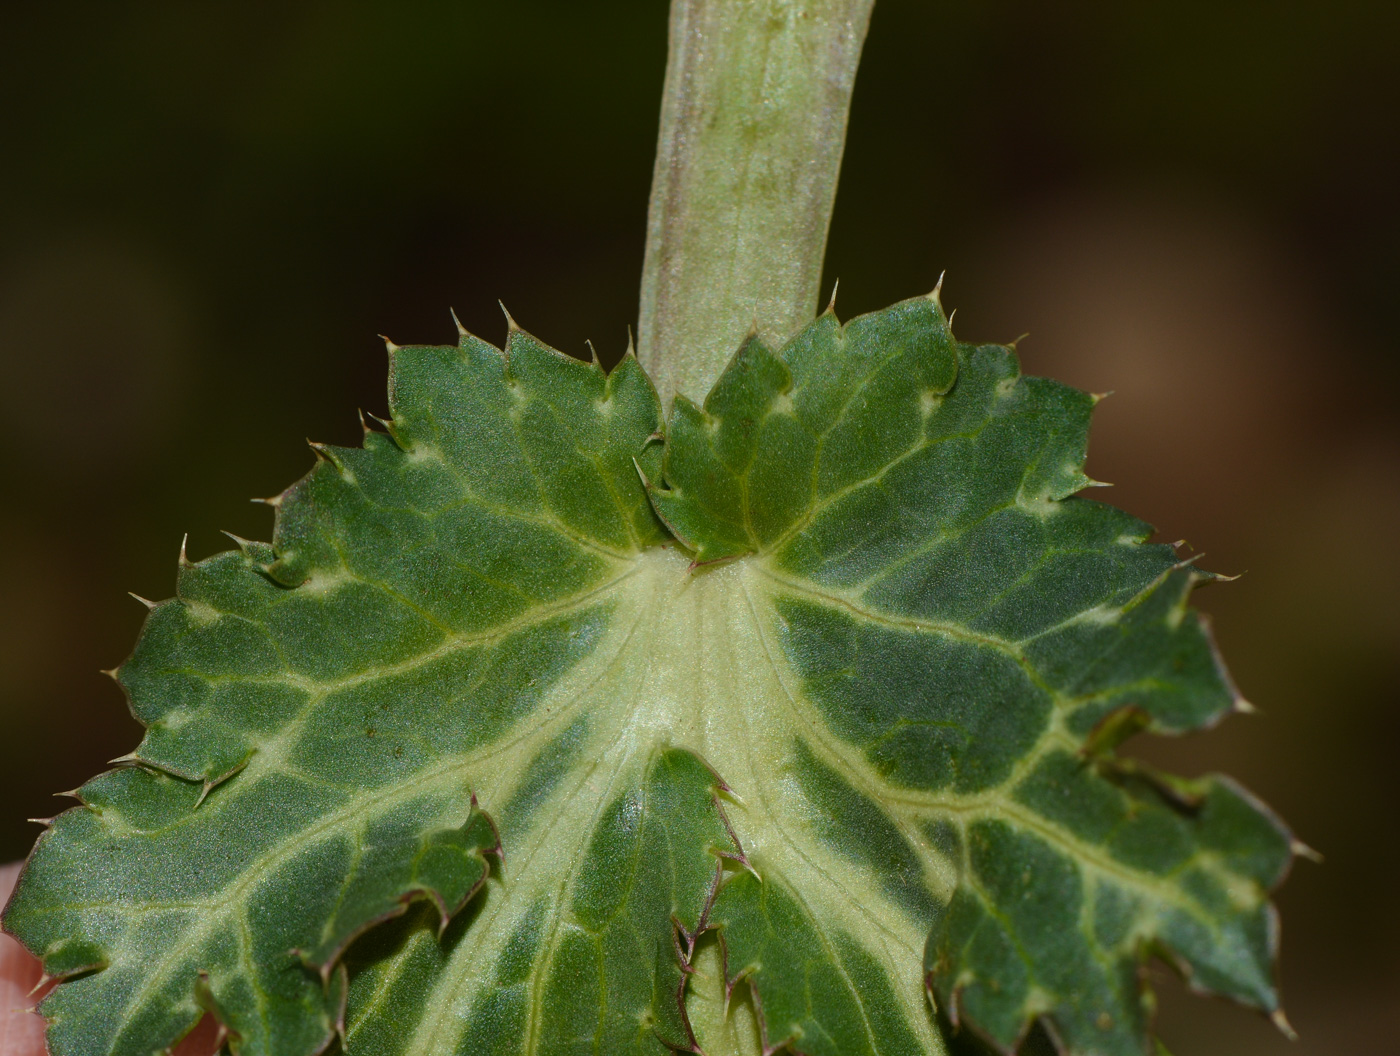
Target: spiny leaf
x,y
830,733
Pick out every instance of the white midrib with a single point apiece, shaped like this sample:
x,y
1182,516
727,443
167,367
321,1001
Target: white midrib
x,y
688,664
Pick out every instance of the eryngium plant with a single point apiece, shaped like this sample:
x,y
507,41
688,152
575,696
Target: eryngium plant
x,y
552,723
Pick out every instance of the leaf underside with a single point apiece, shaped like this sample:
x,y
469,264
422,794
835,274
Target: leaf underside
x,y
790,723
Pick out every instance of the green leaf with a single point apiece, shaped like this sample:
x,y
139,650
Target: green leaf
x,y
792,715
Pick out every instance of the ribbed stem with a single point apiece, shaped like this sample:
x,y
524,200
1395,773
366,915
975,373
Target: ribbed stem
x,y
753,124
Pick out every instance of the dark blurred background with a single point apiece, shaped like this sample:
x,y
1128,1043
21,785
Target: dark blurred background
x,y
207,213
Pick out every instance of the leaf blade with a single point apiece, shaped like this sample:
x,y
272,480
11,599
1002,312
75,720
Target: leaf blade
x,y
860,736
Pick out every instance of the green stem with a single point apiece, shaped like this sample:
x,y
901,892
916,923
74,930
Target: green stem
x,y
753,123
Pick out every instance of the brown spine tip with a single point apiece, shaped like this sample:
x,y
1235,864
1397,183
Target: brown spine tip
x,y
1302,850
144,601
461,330
831,304
239,542
389,345
646,481
1285,1028
184,558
